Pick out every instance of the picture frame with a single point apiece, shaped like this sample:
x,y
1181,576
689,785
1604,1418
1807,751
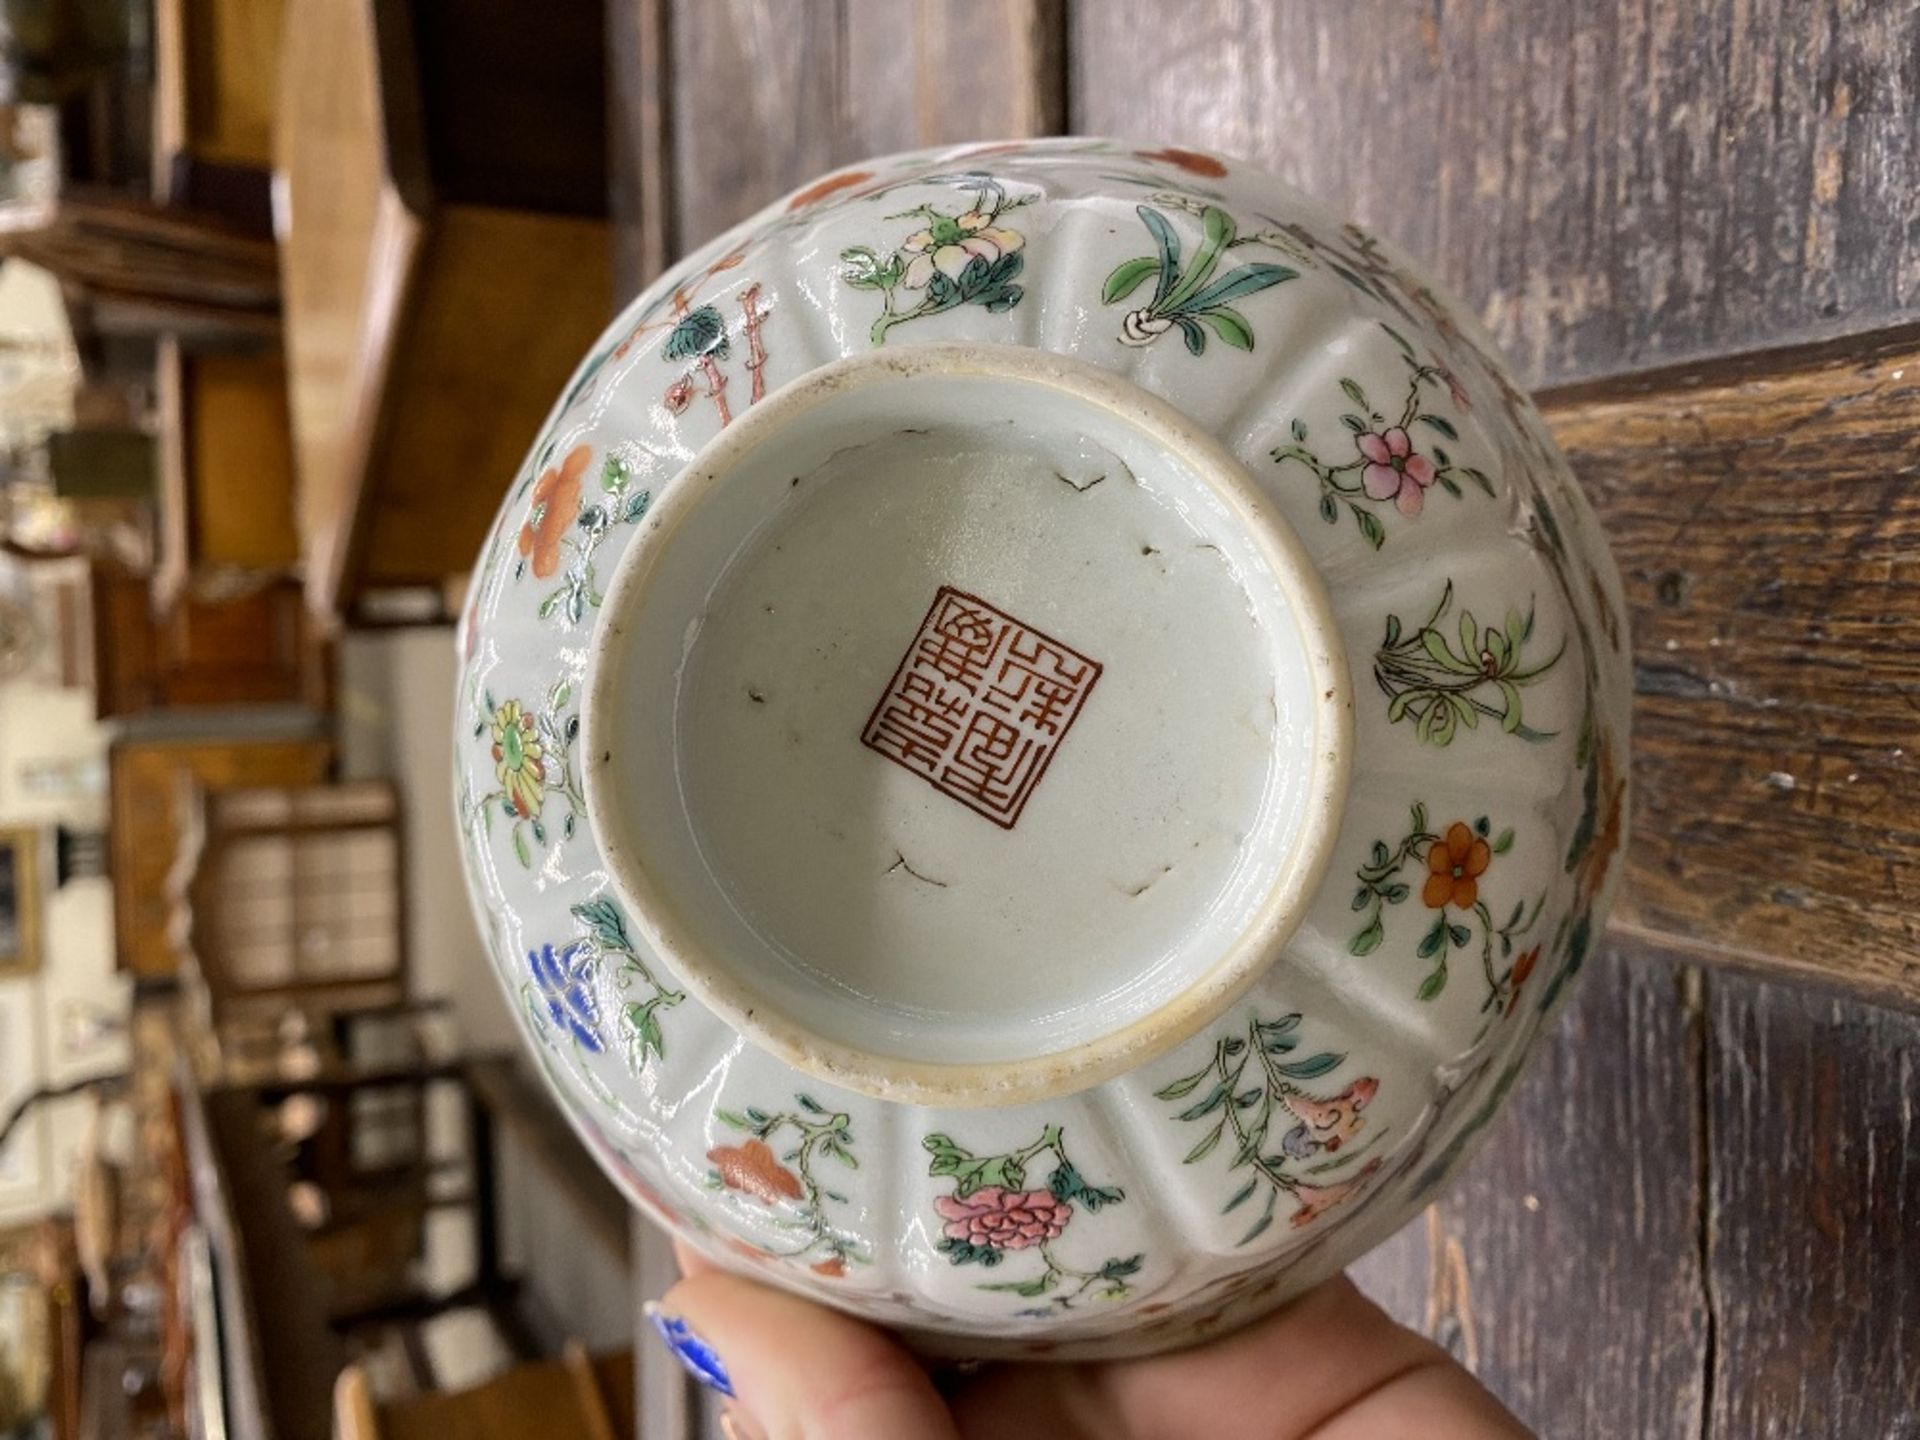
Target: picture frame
x,y
22,898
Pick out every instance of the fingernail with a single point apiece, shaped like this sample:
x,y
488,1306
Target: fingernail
x,y
692,1351
735,1424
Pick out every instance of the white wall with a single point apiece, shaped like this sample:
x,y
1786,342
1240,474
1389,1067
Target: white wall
x,y
396,720
77,970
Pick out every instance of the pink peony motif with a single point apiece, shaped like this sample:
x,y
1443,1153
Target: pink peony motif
x,y
999,1219
1393,471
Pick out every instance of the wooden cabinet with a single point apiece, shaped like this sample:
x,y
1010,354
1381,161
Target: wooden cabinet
x,y
445,263
254,646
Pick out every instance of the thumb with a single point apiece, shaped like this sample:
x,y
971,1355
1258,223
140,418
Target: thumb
x,y
794,1370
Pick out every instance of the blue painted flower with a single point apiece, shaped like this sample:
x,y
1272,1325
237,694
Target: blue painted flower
x,y
692,1351
565,979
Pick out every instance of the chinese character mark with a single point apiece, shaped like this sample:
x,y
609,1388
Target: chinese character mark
x,y
979,705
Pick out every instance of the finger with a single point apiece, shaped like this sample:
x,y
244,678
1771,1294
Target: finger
x,y
799,1371
691,1261
1294,1374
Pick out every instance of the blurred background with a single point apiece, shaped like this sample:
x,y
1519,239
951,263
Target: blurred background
x,y
271,344
286,287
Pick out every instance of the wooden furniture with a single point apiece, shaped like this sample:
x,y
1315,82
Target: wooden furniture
x,y
292,1293
293,896
42,1254
24,886
226,467
253,644
277,1354
576,1395
444,256
1695,1215
141,268
144,798
216,67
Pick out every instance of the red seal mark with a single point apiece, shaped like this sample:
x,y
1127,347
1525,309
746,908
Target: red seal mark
x,y
979,705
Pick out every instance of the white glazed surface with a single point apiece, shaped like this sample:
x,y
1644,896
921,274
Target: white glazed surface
x,y
1482,622
1035,947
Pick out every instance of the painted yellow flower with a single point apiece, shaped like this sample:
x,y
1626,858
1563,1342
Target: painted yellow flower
x,y
517,758
950,244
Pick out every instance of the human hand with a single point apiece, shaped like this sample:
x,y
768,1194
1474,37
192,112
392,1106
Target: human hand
x,y
1329,1366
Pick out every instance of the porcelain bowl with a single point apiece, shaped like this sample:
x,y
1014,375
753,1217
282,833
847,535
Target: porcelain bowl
x,y
1039,736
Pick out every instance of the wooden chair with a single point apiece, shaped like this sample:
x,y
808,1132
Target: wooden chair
x,y
445,263
291,897
575,1396
147,809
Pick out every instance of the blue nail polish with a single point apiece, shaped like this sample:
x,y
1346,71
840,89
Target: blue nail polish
x,y
693,1352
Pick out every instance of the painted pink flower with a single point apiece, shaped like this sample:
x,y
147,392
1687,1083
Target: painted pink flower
x,y
1394,472
1000,1219
950,245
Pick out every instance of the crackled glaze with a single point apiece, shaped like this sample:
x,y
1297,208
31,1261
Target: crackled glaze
x,y
1464,884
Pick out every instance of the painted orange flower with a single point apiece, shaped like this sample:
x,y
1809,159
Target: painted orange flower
x,y
753,1169
1191,161
834,1268
1522,968
831,185
556,505
1455,863
1598,860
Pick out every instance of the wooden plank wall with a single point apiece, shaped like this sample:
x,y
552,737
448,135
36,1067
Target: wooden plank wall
x,y
1614,184
1696,1216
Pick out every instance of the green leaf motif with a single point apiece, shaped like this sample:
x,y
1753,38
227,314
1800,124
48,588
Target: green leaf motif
x,y
1246,280
1311,1068
1127,277
861,268
1031,1289
646,1029
970,1173
1180,1088
604,923
1066,1183
962,1252
1230,326
1169,246
1215,1099
700,332
1205,1148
